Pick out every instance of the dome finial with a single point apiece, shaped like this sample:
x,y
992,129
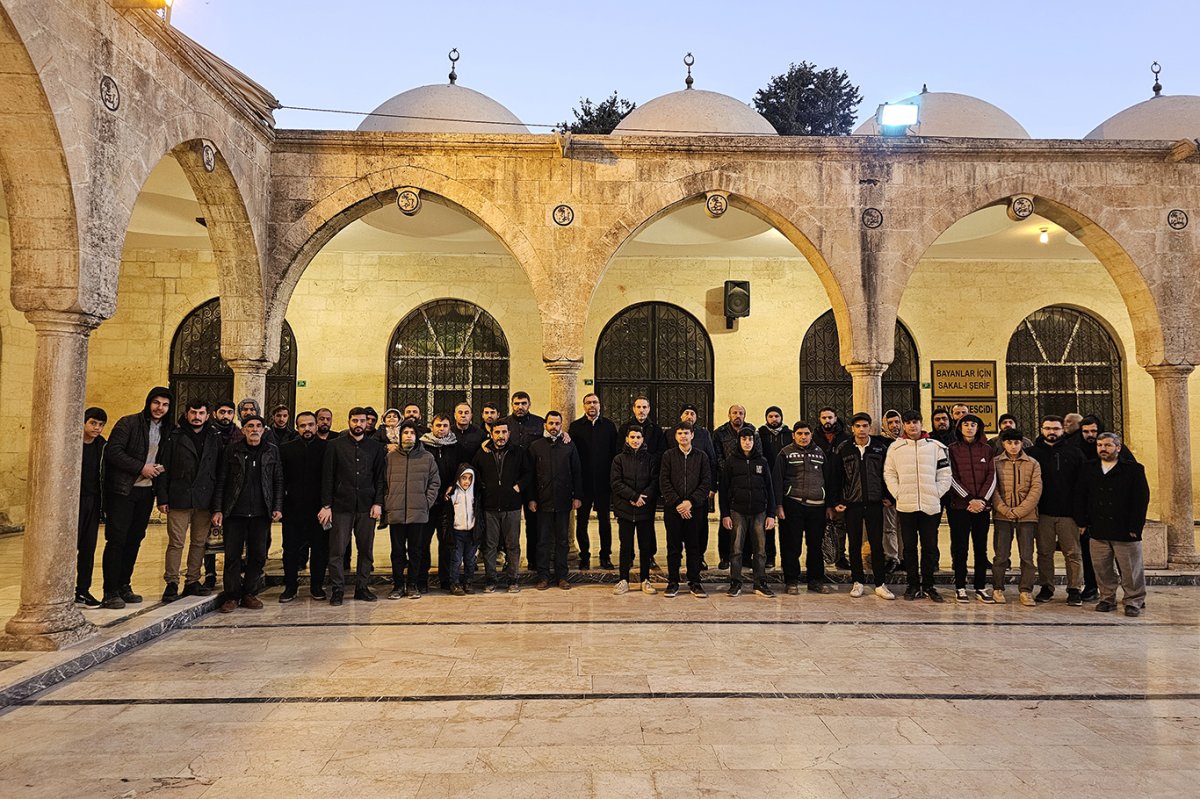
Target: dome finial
x,y
688,60
453,60
924,88
1155,68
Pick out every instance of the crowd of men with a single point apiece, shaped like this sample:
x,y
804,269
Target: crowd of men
x,y
1075,489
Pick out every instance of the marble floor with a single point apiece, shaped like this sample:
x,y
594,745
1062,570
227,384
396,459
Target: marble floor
x,y
584,694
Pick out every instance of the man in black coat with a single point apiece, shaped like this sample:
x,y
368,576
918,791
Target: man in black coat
x,y
90,478
1060,464
702,440
185,488
774,436
1111,499
500,469
524,428
248,497
556,485
1090,429
442,444
683,480
595,437
304,540
747,510
725,442
470,438
131,466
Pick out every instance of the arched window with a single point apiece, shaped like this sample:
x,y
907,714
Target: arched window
x,y
824,381
1062,361
444,353
198,372
660,351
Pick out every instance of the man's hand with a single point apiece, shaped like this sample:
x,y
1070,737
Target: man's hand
x,y
516,490
324,516
164,509
779,511
639,502
576,504
727,522
685,509
217,518
887,503
566,437
151,470
769,524
533,506
376,511
276,516
976,506
839,509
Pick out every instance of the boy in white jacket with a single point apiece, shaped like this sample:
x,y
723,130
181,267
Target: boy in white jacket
x,y
917,473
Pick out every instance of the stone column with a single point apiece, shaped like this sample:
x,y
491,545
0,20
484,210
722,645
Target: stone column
x,y
564,374
1175,461
47,618
250,380
867,382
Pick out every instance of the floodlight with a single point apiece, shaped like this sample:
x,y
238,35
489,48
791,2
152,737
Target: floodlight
x,y
894,119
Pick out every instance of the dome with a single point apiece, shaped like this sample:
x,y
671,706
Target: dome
x,y
443,108
1165,118
950,114
694,112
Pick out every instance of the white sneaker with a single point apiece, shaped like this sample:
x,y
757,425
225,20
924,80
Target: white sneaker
x,y
647,588
1027,599
882,592
960,595
857,590
998,597
621,587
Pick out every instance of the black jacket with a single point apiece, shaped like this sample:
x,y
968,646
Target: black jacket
x,y
725,442
556,475
1060,471
302,463
469,441
839,435
856,477
598,444
655,439
702,440
524,430
496,473
283,435
746,486
773,442
448,458
190,476
633,473
685,477
801,474
354,474
128,444
231,477
1112,506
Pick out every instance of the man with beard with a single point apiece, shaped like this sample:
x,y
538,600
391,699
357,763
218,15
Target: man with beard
x,y
412,413
189,459
131,461
1007,422
941,427
353,486
90,476
556,484
281,427
325,424
725,442
501,470
702,440
1089,432
595,437
304,540
774,436
1056,524
523,429
831,436
222,421
470,437
442,444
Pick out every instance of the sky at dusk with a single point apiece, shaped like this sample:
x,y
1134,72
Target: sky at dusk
x,y
1059,68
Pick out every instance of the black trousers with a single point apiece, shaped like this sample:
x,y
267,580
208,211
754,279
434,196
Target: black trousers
x,y
89,530
683,534
128,516
252,534
1089,571
408,545
554,542
922,528
802,525
643,529
969,530
445,543
601,504
871,515
304,542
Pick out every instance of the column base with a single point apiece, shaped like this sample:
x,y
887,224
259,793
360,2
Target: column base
x,y
1187,559
45,629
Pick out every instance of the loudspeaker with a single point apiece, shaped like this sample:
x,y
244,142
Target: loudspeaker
x,y
737,299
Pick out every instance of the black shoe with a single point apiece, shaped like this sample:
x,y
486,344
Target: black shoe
x,y
288,595
821,588
1090,595
698,591
585,562
770,563
335,598
171,592
843,563
130,597
317,592
195,589
1044,595
210,581
114,602
1133,611
1106,607
910,593
86,599
762,589
724,564
364,595
1074,597
607,564
933,594
735,589
704,565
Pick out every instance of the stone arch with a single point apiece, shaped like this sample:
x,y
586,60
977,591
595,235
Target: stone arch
x,y
1075,211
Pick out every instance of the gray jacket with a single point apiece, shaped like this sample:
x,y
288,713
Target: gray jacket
x,y
412,485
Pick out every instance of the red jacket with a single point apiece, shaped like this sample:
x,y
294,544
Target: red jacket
x,y
974,473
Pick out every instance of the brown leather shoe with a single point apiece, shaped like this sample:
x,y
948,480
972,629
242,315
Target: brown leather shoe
x,y
229,606
564,585
251,602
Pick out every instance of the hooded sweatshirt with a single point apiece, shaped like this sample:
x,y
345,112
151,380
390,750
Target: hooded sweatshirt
x,y
134,443
462,500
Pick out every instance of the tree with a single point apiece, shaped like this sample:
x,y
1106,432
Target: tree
x,y
806,101
599,117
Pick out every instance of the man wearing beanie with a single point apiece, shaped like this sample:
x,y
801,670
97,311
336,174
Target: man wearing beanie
x,y
774,436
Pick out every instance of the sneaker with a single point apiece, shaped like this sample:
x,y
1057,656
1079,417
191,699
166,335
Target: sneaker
x,y
762,589
1027,599
413,593
317,593
723,565
489,588
86,599
228,606
856,590
467,589
171,592
251,602
821,588
564,585
735,589
934,594
960,595
288,595
793,589
113,602
654,567
396,593
672,590
698,591
542,585
335,598
1133,611
984,596
1106,607
130,597
365,595
1074,597
196,589
998,597
882,592
621,588
910,593
648,587
1090,595
513,588
457,590
1044,594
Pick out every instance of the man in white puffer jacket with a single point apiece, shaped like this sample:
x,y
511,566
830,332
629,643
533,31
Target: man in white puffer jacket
x,y
917,473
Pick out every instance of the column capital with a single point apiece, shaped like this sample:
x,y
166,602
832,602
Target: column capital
x,y
563,366
63,322
249,365
1170,371
867,368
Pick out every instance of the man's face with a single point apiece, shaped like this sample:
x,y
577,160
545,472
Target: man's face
x,y
1107,449
641,410
1008,424
324,421
737,415
802,437
490,415
1090,432
372,419
1071,422
688,416
553,425
253,431
412,412
408,436
941,421
774,419
93,428
894,426
913,429
1013,447
970,430
520,406
306,426
246,409
462,414
746,443
197,417
862,429
1052,431
358,423
280,417
828,420
958,412
500,435
159,407
441,428
591,406
224,415
634,439
683,437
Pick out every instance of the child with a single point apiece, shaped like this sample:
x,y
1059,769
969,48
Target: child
x,y
465,511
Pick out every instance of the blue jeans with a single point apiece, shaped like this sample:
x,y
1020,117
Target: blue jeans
x,y
752,528
463,563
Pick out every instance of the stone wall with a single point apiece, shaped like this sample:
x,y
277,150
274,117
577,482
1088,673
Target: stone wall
x,y
16,393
